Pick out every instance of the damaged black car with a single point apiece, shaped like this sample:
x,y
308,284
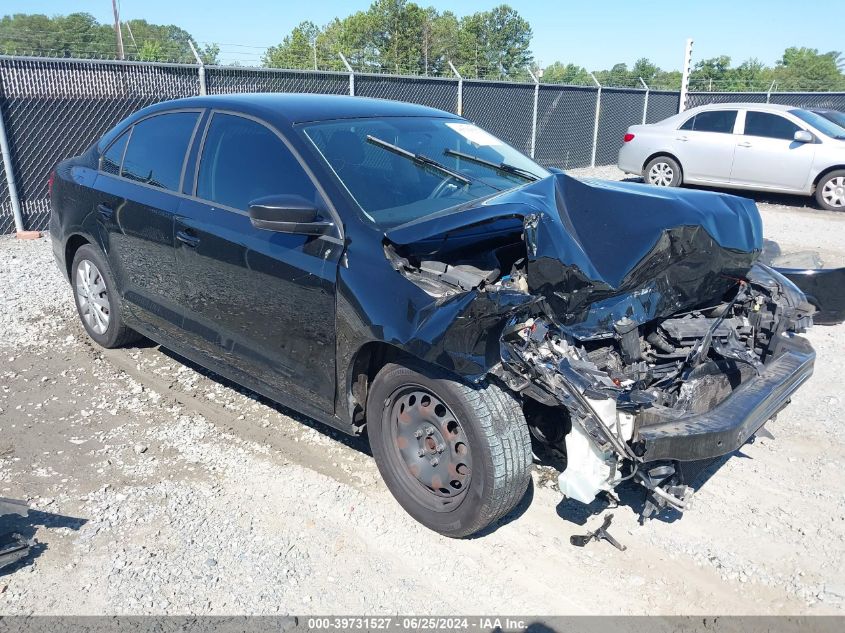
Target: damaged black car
x,y
393,270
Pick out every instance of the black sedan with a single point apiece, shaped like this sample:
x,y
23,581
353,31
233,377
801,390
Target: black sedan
x,y
393,269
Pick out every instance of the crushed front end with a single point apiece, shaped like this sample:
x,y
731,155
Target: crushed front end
x,y
649,338
682,389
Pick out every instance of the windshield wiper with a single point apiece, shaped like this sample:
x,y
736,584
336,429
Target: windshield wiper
x,y
503,167
420,159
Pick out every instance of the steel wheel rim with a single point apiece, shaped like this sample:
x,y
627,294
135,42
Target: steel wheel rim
x,y
428,440
833,192
661,174
92,297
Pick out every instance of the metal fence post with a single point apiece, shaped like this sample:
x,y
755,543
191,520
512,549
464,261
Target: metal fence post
x,y
682,105
460,108
534,114
351,74
645,103
203,90
10,177
769,93
596,124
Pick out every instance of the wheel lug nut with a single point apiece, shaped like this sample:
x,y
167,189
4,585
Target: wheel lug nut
x,y
418,434
435,461
421,453
429,431
441,448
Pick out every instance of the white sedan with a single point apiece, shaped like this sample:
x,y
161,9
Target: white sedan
x,y
762,147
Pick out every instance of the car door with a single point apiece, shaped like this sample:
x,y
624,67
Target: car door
x,y
769,157
705,146
258,301
136,198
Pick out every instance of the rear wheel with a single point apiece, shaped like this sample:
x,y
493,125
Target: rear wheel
x,y
830,192
456,457
99,305
663,171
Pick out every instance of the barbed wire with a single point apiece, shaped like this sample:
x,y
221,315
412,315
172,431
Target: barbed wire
x,y
367,62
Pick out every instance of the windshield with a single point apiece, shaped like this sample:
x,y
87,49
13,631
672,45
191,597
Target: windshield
x,y
822,124
400,169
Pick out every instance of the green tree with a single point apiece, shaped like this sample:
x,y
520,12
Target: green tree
x,y
399,36
297,50
645,69
571,74
494,43
80,35
74,35
710,74
807,69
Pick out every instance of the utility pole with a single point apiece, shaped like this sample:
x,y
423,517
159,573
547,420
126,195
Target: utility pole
x,y
117,29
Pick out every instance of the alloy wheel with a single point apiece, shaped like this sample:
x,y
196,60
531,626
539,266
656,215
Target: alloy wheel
x,y
92,296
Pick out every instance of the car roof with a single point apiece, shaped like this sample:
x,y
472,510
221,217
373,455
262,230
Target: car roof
x,y
682,116
773,107
292,108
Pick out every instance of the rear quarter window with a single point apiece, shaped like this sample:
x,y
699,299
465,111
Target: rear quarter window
x,y
113,156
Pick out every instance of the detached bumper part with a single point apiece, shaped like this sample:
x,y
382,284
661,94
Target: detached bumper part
x,y
729,425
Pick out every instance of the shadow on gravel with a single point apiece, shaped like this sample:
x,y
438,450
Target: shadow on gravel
x,y
513,515
21,529
359,444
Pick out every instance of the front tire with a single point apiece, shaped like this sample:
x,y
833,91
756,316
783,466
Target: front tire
x,y
98,303
830,192
663,171
456,457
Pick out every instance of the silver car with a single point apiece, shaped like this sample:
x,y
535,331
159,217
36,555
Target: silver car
x,y
744,146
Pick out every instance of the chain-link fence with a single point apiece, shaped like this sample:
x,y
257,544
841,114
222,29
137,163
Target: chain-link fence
x,y
232,79
55,108
428,91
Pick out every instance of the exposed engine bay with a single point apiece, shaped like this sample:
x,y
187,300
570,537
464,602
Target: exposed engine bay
x,y
675,353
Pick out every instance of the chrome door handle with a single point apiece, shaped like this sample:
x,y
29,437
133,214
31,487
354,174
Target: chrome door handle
x,y
187,239
682,138
745,144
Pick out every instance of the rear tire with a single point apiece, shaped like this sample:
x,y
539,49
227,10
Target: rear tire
x,y
830,192
663,171
98,303
456,457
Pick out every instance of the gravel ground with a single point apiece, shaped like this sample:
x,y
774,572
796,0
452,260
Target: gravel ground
x,y
156,487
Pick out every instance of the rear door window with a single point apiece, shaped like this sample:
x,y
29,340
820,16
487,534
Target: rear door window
x,y
243,160
721,121
769,125
157,149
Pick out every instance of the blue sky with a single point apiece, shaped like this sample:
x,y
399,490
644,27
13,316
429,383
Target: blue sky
x,y
593,34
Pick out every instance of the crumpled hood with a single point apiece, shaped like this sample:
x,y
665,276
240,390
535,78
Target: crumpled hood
x,y
599,251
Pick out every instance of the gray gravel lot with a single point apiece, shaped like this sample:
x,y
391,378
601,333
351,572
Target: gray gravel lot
x,y
158,488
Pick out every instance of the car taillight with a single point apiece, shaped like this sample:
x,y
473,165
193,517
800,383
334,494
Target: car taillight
x,y
628,137
50,183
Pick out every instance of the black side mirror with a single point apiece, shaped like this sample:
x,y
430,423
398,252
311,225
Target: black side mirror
x,y
288,214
